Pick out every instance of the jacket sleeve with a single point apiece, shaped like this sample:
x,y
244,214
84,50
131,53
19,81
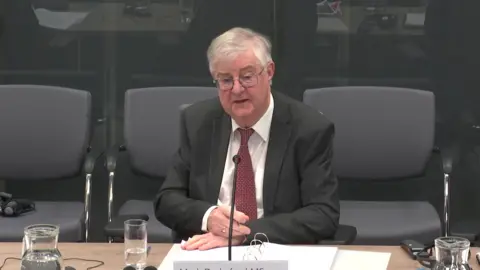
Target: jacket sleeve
x,y
172,205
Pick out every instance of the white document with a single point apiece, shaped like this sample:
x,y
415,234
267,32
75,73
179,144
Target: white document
x,y
298,257
361,260
61,20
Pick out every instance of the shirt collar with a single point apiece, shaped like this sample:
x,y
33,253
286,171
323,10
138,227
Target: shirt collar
x,y
262,127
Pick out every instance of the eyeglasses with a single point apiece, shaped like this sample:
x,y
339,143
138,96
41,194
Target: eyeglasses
x,y
247,80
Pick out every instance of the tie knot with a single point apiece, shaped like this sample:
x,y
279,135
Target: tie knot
x,y
245,134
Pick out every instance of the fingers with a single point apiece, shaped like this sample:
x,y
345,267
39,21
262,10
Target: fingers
x,y
221,228
237,215
240,217
196,241
205,242
239,229
219,222
214,243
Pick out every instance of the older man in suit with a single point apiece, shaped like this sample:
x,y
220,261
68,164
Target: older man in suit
x,y
285,185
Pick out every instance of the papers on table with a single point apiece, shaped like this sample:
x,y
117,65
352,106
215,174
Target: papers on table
x,y
360,260
299,257
60,20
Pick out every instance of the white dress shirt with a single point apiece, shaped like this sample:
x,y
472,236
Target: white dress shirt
x,y
257,146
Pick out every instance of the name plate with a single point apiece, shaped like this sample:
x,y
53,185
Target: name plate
x,y
230,265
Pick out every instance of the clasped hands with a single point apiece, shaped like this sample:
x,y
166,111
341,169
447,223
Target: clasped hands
x,y
218,227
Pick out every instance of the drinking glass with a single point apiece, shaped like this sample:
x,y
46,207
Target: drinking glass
x,y
451,253
136,243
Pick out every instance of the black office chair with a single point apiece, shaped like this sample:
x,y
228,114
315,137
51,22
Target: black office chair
x,y
45,136
384,134
151,138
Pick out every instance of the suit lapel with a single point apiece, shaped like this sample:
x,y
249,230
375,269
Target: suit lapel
x,y
280,131
218,151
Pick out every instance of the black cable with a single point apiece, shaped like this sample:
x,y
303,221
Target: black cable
x,y
6,259
100,263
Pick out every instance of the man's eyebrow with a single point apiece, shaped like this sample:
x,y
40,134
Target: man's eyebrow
x,y
248,68
223,74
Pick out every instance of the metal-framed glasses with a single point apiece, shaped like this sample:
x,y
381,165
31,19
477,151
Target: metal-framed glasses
x,y
247,80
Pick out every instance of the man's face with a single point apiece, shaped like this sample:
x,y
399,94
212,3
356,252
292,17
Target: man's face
x,y
244,87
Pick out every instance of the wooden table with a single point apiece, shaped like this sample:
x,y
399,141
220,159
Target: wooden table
x,y
112,255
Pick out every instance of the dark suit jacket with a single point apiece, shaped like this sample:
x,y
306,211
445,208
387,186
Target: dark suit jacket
x,y
301,204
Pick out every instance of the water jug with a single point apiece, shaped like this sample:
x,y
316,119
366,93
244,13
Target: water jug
x,y
40,250
451,253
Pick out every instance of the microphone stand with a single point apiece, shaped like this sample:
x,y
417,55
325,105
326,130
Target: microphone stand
x,y
236,161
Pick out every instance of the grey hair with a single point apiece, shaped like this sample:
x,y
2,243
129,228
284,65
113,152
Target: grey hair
x,y
236,41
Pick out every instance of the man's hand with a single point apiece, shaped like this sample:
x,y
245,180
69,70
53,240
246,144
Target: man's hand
x,y
209,241
218,222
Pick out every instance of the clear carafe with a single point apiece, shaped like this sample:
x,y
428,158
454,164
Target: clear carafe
x,y
40,250
451,253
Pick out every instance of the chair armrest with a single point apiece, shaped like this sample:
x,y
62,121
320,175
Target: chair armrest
x,y
345,235
111,164
88,166
112,156
90,160
115,228
450,158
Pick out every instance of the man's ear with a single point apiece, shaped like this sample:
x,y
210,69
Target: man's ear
x,y
270,70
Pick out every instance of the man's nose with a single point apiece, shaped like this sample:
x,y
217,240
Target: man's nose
x,y
237,87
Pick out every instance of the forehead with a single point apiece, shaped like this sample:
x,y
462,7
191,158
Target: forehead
x,y
245,61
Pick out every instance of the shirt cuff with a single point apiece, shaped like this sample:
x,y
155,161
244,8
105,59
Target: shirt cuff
x,y
205,218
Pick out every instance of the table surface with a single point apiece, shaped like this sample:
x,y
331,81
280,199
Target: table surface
x,y
112,255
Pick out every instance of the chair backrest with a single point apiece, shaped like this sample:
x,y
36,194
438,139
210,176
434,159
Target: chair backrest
x,y
44,131
152,129
380,132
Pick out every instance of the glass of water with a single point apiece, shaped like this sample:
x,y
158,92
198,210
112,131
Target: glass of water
x,y
136,243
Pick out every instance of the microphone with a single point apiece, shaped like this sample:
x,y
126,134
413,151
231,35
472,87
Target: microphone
x,y
236,161
5,196
17,207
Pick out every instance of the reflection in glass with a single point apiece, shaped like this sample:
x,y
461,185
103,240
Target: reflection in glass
x,y
186,10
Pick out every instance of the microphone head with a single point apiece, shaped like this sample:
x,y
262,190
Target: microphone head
x,y
129,268
8,211
5,196
236,159
150,268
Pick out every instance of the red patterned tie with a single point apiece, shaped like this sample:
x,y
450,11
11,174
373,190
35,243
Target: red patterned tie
x,y
245,199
